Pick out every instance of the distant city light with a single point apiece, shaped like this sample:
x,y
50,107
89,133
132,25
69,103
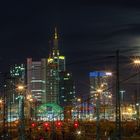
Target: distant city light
x,y
68,74
136,61
1,101
79,99
62,57
102,85
20,87
129,109
109,96
78,132
99,90
50,60
108,74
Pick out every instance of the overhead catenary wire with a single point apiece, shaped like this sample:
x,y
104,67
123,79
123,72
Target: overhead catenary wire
x,y
105,90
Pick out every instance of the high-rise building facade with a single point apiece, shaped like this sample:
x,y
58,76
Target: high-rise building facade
x,y
45,79
101,93
17,72
13,78
55,64
36,79
17,76
67,89
101,80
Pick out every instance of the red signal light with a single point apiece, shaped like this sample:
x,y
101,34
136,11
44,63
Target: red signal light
x,y
33,125
58,124
46,124
76,124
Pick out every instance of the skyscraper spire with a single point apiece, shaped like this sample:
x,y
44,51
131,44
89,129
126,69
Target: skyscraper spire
x,y
55,40
55,34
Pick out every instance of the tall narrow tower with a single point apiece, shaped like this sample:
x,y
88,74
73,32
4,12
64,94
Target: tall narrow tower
x,y
55,64
55,39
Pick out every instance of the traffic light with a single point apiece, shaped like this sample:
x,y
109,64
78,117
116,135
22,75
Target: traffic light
x,y
33,125
58,124
76,124
46,126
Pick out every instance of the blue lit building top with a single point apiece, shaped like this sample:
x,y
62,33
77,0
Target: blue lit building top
x,y
97,74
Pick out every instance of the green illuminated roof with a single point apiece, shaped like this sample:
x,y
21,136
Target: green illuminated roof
x,y
56,109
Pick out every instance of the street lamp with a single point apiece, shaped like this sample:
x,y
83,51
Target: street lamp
x,y
20,89
1,108
137,63
32,102
79,107
29,108
118,103
1,101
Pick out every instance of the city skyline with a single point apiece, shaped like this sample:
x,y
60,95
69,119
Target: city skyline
x,y
88,32
48,80
70,70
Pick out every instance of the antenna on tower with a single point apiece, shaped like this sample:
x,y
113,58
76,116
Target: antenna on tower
x,y
55,40
55,33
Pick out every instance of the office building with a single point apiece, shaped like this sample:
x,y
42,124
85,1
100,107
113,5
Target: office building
x,y
45,79
36,79
67,89
16,77
100,89
55,64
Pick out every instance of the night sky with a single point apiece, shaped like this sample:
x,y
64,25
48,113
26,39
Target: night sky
x,y
89,33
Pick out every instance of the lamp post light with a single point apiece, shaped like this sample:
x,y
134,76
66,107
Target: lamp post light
x,y
21,89
1,108
79,107
30,101
138,113
1,101
137,63
118,97
109,106
1,105
29,98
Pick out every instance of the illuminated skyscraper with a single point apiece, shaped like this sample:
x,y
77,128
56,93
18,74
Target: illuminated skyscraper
x,y
36,79
55,64
18,73
45,79
17,76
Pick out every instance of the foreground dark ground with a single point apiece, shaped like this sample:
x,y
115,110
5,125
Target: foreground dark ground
x,y
85,130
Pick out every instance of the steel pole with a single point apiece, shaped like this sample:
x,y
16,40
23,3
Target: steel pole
x,y
118,113
98,118
21,118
